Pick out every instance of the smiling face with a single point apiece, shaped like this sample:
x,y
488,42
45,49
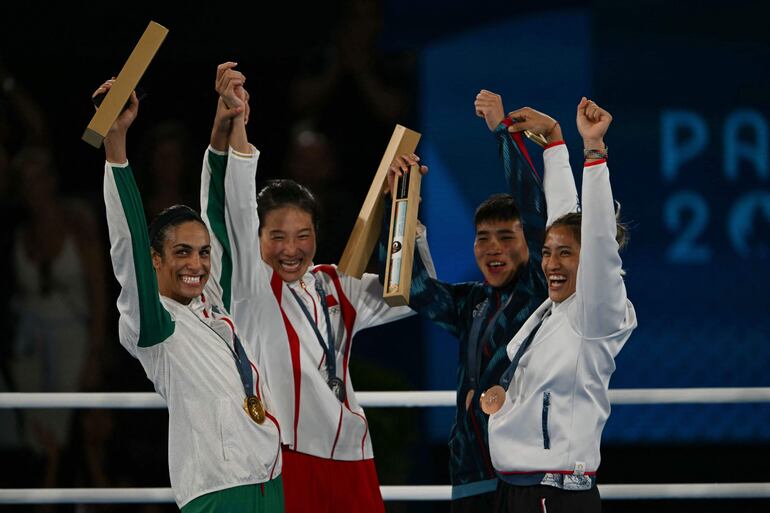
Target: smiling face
x,y
500,248
287,241
183,267
561,257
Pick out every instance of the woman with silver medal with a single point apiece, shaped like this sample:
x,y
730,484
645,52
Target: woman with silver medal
x,y
309,314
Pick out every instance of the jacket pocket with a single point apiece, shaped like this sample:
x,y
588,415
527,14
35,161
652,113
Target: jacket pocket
x,y
546,408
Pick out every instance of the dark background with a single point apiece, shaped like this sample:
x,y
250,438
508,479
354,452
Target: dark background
x,y
702,308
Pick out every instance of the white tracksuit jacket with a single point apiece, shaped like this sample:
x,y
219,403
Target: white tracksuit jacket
x,y
212,442
557,402
312,420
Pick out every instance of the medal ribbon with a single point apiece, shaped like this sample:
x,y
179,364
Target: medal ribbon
x,y
476,343
244,367
505,379
331,358
242,363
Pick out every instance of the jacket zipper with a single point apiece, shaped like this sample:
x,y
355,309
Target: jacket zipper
x,y
546,407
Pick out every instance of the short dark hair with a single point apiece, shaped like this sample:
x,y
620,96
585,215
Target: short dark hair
x,y
573,222
168,218
498,207
287,193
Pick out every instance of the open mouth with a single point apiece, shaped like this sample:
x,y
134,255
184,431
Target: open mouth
x,y
291,266
495,266
556,281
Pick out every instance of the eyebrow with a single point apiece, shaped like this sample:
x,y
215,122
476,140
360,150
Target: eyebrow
x,y
501,230
302,230
182,245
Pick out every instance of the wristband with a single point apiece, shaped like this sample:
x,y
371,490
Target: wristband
x,y
596,154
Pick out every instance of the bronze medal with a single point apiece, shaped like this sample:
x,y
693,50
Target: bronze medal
x,y
492,400
254,408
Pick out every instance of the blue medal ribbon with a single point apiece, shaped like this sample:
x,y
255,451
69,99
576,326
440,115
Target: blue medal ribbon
x,y
505,379
331,357
476,343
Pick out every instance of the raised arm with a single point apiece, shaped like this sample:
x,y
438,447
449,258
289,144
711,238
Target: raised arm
x,y
558,182
250,273
143,320
523,180
601,294
229,106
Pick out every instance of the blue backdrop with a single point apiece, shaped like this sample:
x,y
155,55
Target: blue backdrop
x,y
689,161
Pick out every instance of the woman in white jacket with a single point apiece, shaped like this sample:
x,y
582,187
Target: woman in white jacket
x,y
224,446
309,315
545,430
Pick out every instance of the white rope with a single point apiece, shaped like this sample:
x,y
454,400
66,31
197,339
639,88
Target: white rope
x,y
689,395
389,493
118,400
686,491
132,400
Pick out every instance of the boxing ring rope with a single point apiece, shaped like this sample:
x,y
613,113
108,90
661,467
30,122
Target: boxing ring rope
x,y
390,400
389,493
150,400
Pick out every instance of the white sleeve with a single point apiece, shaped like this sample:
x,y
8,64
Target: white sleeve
x,y
559,184
144,322
365,294
250,274
600,309
421,246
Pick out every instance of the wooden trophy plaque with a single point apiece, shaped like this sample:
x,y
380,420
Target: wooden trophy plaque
x,y
401,240
366,231
128,78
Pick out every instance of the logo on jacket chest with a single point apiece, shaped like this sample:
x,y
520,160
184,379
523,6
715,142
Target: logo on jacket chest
x,y
333,305
480,308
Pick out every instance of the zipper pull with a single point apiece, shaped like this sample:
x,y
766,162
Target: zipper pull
x,y
302,284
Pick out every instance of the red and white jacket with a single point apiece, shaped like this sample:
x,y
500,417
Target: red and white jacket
x,y
313,421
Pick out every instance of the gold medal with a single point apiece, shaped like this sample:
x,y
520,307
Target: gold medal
x,y
492,400
254,408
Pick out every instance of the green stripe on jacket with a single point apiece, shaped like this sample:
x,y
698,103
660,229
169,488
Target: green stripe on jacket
x,y
216,215
155,323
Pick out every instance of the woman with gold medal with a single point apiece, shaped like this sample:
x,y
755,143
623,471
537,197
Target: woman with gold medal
x,y
224,444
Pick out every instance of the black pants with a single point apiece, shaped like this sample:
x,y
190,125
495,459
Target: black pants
x,y
481,503
545,499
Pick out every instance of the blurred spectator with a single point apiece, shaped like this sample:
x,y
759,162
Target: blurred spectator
x,y
22,122
59,302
